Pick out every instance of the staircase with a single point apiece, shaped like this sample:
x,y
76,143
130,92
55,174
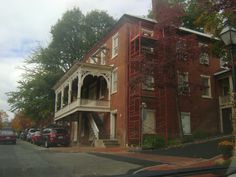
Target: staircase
x,y
94,131
106,143
95,134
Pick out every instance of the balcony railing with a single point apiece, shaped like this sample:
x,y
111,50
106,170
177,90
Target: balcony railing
x,y
225,100
83,104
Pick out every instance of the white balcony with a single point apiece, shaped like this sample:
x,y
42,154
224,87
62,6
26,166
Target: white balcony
x,y
83,105
225,101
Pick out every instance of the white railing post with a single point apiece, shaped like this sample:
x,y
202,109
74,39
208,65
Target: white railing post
x,y
69,92
94,127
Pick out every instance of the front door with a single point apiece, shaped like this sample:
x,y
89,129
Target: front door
x,y
227,120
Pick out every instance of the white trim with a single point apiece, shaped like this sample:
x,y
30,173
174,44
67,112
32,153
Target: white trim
x,y
115,51
199,33
112,76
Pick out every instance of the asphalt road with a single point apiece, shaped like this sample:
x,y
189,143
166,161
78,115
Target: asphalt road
x,y
27,160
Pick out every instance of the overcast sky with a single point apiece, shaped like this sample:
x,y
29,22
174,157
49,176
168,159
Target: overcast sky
x,y
26,23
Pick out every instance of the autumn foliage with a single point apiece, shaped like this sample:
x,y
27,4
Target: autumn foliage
x,y
21,122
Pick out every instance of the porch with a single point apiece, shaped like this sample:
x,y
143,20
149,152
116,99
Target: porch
x,y
82,100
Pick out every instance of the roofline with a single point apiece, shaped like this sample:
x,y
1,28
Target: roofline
x,y
199,33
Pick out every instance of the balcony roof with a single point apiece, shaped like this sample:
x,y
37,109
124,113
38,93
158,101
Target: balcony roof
x,y
222,72
78,65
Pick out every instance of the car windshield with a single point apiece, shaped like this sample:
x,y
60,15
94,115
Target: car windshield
x,y
92,88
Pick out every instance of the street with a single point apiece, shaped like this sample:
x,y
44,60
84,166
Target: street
x,y
27,160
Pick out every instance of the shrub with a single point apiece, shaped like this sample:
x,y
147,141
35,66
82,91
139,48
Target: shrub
x,y
226,148
174,142
200,134
153,141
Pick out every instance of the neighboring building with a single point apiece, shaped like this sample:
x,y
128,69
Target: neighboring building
x,y
96,99
226,99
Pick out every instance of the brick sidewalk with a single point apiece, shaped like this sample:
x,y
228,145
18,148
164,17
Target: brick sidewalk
x,y
169,162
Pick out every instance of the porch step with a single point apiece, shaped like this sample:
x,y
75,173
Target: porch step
x,y
106,143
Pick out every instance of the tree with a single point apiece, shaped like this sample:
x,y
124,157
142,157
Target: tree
x,y
72,36
21,122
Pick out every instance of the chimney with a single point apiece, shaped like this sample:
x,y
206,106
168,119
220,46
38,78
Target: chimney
x,y
155,5
154,8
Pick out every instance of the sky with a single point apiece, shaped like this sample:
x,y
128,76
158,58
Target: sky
x,y
25,24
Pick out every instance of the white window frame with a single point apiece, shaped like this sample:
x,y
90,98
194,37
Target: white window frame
x,y
181,83
114,81
209,84
115,45
182,114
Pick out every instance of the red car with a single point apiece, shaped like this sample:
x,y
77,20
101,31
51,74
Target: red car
x,y
55,136
36,137
7,136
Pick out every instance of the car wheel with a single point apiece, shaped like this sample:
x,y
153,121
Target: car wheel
x,y
46,144
14,142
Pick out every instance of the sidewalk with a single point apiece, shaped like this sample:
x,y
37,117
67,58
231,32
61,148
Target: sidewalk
x,y
167,162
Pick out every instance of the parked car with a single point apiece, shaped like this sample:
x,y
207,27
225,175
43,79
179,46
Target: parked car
x,y
55,136
23,134
30,133
36,137
7,136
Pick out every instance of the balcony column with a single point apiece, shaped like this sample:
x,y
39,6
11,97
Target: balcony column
x,y
109,88
56,101
69,92
62,97
79,86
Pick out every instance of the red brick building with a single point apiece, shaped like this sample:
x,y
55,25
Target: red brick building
x,y
97,98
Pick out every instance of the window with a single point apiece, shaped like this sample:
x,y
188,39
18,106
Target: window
x,y
206,84
148,83
114,81
204,58
115,45
183,83
149,122
181,52
204,55
186,123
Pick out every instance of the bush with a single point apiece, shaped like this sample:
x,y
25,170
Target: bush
x,y
174,142
226,148
200,134
153,142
